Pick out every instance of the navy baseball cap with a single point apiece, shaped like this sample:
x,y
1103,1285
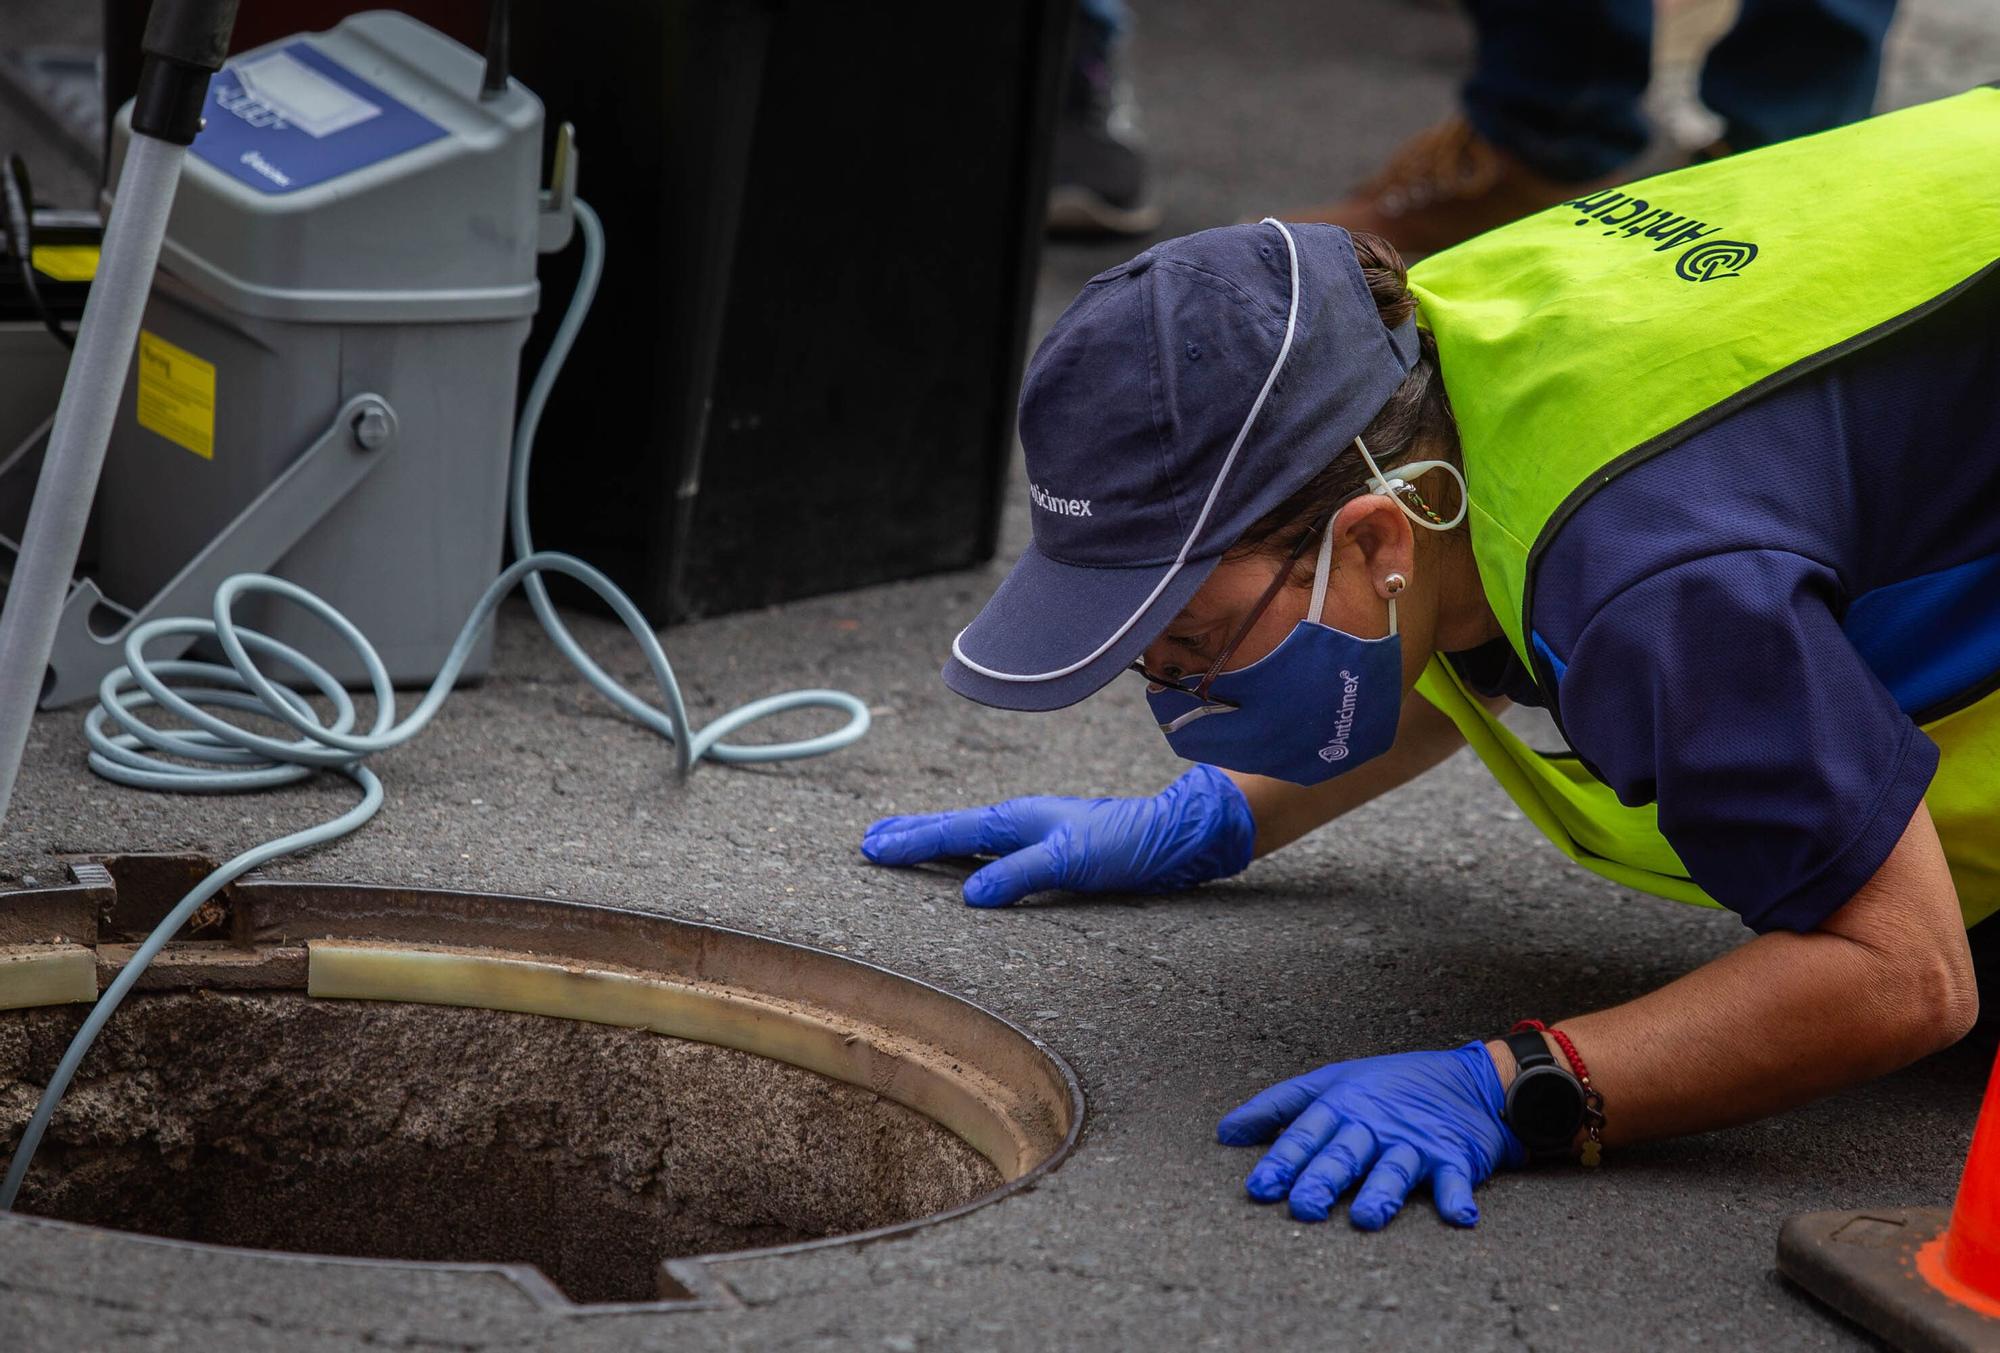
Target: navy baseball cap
x,y
1179,398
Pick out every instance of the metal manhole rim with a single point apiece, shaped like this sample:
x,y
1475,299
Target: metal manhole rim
x,y
706,1290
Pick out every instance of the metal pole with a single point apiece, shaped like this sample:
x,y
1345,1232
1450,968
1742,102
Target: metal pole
x,y
185,43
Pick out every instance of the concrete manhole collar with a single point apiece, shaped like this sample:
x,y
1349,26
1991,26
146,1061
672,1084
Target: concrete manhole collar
x,y
425,1076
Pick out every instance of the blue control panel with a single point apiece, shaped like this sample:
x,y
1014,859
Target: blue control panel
x,y
288,118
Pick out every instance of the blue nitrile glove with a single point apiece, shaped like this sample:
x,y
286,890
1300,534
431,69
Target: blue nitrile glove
x,y
1197,828
1411,1116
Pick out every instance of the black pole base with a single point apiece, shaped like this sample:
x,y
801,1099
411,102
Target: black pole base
x,y
1863,1264
186,42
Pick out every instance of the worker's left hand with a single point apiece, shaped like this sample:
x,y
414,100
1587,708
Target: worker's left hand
x,y
1396,1121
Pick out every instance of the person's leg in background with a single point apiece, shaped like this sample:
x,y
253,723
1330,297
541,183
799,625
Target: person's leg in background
x,y
1099,181
1557,83
1793,67
1552,110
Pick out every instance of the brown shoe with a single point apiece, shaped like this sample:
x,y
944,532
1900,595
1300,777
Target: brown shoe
x,y
1443,186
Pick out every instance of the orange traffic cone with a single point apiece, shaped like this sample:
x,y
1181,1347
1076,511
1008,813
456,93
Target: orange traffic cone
x,y
1964,1262
1919,1279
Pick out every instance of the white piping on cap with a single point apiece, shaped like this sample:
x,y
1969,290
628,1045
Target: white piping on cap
x,y
1214,491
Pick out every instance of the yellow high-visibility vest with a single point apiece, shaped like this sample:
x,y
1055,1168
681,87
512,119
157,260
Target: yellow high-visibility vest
x,y
1580,341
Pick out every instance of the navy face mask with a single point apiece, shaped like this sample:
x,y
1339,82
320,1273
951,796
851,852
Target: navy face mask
x,y
1320,703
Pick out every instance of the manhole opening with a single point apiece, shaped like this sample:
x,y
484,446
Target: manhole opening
x,y
426,1132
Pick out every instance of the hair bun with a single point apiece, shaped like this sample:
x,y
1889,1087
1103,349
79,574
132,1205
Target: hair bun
x,y
1387,276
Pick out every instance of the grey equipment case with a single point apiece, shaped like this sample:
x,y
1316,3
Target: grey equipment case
x,y
325,382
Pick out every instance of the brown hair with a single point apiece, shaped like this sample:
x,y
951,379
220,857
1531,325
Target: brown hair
x,y
1416,423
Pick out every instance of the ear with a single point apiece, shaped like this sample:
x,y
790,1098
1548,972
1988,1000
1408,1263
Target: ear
x,y
1374,527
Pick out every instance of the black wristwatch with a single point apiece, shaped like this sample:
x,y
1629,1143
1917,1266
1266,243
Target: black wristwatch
x,y
1545,1103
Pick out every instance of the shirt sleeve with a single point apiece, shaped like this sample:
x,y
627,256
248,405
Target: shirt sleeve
x,y
1724,690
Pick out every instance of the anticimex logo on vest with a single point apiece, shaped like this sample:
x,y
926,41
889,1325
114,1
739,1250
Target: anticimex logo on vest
x,y
1715,258
1704,260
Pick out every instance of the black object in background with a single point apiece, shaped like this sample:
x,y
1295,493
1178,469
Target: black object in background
x,y
823,228
37,298
824,222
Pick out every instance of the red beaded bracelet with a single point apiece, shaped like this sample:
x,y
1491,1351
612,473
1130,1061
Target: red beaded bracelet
x,y
1593,1100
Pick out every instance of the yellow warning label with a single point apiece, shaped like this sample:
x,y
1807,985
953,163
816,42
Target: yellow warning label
x,y
65,262
177,395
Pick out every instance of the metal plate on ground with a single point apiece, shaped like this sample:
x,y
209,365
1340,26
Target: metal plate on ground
x,y
990,1096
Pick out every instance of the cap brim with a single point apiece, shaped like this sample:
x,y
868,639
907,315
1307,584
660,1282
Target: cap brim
x,y
1047,614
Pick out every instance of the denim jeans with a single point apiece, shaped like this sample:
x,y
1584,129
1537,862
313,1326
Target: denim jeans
x,y
1109,16
1096,28
1558,82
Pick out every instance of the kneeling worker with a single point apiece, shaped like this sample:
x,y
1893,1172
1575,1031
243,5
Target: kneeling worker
x,y
1714,483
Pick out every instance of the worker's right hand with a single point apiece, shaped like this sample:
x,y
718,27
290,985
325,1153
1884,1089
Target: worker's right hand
x,y
1197,828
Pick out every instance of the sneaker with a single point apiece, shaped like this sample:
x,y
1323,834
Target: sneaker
x,y
1099,187
1444,186
1098,183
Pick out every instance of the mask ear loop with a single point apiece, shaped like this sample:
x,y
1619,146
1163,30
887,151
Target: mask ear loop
x,y
1395,488
1320,574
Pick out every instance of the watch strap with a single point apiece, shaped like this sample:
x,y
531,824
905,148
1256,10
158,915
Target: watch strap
x,y
1529,1049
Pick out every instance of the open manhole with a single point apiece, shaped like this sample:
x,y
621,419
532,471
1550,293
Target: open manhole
x,y
430,1076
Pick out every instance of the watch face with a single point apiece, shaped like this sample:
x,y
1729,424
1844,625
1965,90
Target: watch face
x,y
1545,1108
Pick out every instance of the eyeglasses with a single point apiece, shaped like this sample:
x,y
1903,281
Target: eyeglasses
x,y
1200,690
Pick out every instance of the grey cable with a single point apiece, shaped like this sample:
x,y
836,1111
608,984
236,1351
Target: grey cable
x,y
232,758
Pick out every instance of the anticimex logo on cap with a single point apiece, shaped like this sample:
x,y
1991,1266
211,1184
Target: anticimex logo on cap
x,y
1062,507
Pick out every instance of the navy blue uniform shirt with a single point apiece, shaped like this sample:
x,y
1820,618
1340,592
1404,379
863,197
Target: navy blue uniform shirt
x,y
1744,624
